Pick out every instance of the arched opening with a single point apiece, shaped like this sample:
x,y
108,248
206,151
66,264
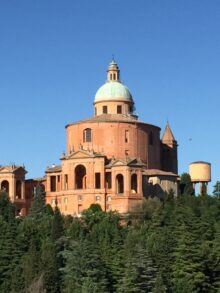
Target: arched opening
x,y
119,184
87,135
18,189
80,177
5,186
134,183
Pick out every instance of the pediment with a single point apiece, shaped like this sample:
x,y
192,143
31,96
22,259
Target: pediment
x,y
12,169
134,162
4,170
80,154
128,162
118,163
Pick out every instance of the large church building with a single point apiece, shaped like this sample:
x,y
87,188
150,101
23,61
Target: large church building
x,y
112,159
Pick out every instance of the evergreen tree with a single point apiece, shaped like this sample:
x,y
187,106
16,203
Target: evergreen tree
x,y
38,207
7,209
84,270
31,265
108,235
8,254
50,269
214,267
140,271
186,186
57,225
170,195
8,249
216,190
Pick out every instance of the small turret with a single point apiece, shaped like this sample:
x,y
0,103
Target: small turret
x,y
168,137
169,151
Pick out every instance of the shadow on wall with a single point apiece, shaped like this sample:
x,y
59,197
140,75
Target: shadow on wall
x,y
153,190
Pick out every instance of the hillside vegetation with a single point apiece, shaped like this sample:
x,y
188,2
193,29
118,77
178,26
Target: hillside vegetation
x,y
171,246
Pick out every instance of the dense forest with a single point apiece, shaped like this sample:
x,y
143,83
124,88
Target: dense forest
x,y
165,246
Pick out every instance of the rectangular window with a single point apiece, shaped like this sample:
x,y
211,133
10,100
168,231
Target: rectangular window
x,y
119,109
104,109
97,180
58,178
126,136
65,181
109,198
108,180
53,183
97,198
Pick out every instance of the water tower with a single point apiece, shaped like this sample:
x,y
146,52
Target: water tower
x,y
200,172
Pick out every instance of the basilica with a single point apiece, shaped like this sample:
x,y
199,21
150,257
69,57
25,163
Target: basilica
x,y
112,159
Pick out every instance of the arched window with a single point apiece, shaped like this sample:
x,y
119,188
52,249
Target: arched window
x,y
80,177
134,183
119,184
5,186
87,135
151,138
18,189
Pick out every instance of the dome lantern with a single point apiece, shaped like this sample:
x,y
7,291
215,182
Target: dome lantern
x,y
113,71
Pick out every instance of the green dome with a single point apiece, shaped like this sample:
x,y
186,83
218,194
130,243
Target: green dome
x,y
113,90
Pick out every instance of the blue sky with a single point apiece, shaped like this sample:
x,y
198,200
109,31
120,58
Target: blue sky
x,y
54,55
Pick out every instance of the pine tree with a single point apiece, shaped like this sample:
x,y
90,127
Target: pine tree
x,y
186,186
8,249
140,270
108,235
7,209
31,265
84,270
8,254
57,225
38,208
215,258
50,269
216,190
